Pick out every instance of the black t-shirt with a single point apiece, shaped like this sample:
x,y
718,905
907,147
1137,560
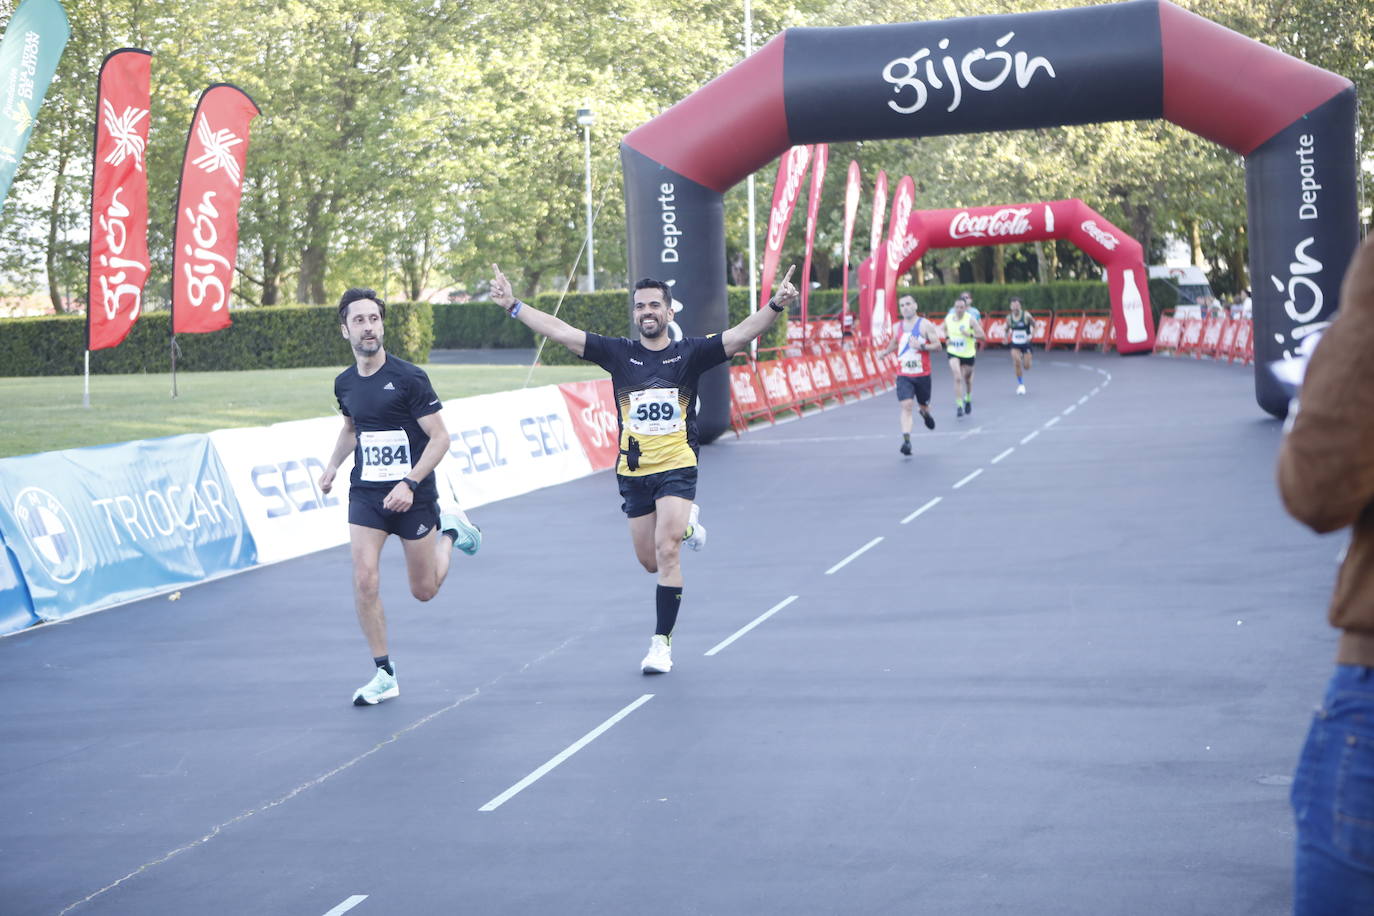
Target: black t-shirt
x,y
656,394
386,407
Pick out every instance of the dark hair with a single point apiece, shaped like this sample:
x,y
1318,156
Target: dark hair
x,y
650,283
1014,299
355,293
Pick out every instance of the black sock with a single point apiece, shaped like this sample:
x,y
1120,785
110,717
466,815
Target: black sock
x,y
906,437
668,599
384,662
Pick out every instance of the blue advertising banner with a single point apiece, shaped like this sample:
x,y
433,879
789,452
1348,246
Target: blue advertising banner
x,y
93,527
16,610
33,43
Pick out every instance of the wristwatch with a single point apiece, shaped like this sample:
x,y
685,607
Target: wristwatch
x,y
773,304
414,484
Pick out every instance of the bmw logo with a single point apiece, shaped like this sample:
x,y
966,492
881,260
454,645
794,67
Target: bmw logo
x,y
51,534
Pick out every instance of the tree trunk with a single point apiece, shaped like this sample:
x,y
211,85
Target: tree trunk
x,y
1040,264
54,222
999,264
1195,230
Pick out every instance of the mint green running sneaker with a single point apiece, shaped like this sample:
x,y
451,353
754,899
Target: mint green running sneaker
x,y
381,687
467,537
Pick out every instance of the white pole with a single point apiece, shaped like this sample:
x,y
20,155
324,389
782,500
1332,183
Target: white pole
x,y
749,190
86,385
591,258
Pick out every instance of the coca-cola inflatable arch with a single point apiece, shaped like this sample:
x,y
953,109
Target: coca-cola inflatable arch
x,y
1294,123
1121,256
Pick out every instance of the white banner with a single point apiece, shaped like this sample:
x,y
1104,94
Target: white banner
x,y
501,445
275,472
506,444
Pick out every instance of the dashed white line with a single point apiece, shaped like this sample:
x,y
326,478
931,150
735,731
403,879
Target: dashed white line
x,y
976,429
347,905
1097,389
1070,409
1083,400
921,511
1033,434
1051,422
1004,454
751,624
968,478
567,752
853,556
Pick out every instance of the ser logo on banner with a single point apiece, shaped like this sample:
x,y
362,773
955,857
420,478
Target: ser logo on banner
x,y
51,533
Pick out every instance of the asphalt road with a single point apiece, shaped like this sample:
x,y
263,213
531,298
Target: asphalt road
x,y
1058,662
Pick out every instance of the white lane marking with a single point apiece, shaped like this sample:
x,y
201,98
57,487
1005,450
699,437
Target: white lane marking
x,y
1070,409
921,511
853,556
1004,454
1096,390
1030,437
751,624
1083,400
347,905
976,429
564,754
1052,421
968,478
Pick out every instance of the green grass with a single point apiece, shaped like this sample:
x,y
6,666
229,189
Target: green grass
x,y
45,414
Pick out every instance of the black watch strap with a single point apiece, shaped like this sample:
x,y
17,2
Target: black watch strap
x,y
773,304
414,484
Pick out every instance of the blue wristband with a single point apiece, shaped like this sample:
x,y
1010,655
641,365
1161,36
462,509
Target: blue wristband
x,y
514,309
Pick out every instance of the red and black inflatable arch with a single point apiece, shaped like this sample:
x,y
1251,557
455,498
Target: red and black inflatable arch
x,y
1294,123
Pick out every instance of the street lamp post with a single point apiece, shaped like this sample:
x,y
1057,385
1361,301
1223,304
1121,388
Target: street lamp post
x,y
586,117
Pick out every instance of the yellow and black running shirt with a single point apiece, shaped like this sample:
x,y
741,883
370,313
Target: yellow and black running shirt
x,y
656,394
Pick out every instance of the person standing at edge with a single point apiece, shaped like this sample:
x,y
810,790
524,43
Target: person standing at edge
x,y
914,339
963,332
655,380
392,426
1020,328
1326,478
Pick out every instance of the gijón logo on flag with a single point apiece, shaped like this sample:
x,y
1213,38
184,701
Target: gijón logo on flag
x,y
119,199
205,246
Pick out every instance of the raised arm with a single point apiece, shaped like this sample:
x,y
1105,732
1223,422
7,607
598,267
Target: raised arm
x,y
554,328
737,338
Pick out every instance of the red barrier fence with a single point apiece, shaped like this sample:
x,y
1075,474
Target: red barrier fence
x,y
777,382
1228,339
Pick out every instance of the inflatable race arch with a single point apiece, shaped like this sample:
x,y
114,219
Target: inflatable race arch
x,y
1294,123
1011,224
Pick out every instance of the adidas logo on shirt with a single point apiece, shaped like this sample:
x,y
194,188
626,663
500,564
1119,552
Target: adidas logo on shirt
x,y
388,387
421,530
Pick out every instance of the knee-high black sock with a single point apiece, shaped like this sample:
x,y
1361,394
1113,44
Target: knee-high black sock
x,y
668,599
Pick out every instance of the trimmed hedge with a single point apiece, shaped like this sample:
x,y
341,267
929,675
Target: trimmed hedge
x,y
276,337
478,325
288,337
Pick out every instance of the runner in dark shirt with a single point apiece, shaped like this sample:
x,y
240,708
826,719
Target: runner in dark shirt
x,y
655,380
393,429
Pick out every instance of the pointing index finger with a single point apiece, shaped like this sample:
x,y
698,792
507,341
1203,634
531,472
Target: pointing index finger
x,y
788,276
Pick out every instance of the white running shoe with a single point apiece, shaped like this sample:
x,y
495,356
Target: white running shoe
x,y
660,657
381,687
695,536
1020,389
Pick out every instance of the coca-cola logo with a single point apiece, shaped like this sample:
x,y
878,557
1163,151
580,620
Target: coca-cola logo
x,y
900,245
1105,239
1066,329
1095,327
743,387
797,158
1006,221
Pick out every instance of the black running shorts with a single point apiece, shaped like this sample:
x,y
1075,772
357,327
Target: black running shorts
x,y
966,360
917,387
365,508
639,493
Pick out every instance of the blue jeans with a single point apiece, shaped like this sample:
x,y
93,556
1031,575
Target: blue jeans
x,y
1333,801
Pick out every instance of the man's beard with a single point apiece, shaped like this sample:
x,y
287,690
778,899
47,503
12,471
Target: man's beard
x,y
367,346
654,335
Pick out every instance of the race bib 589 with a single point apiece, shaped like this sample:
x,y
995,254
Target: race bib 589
x,y
654,412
